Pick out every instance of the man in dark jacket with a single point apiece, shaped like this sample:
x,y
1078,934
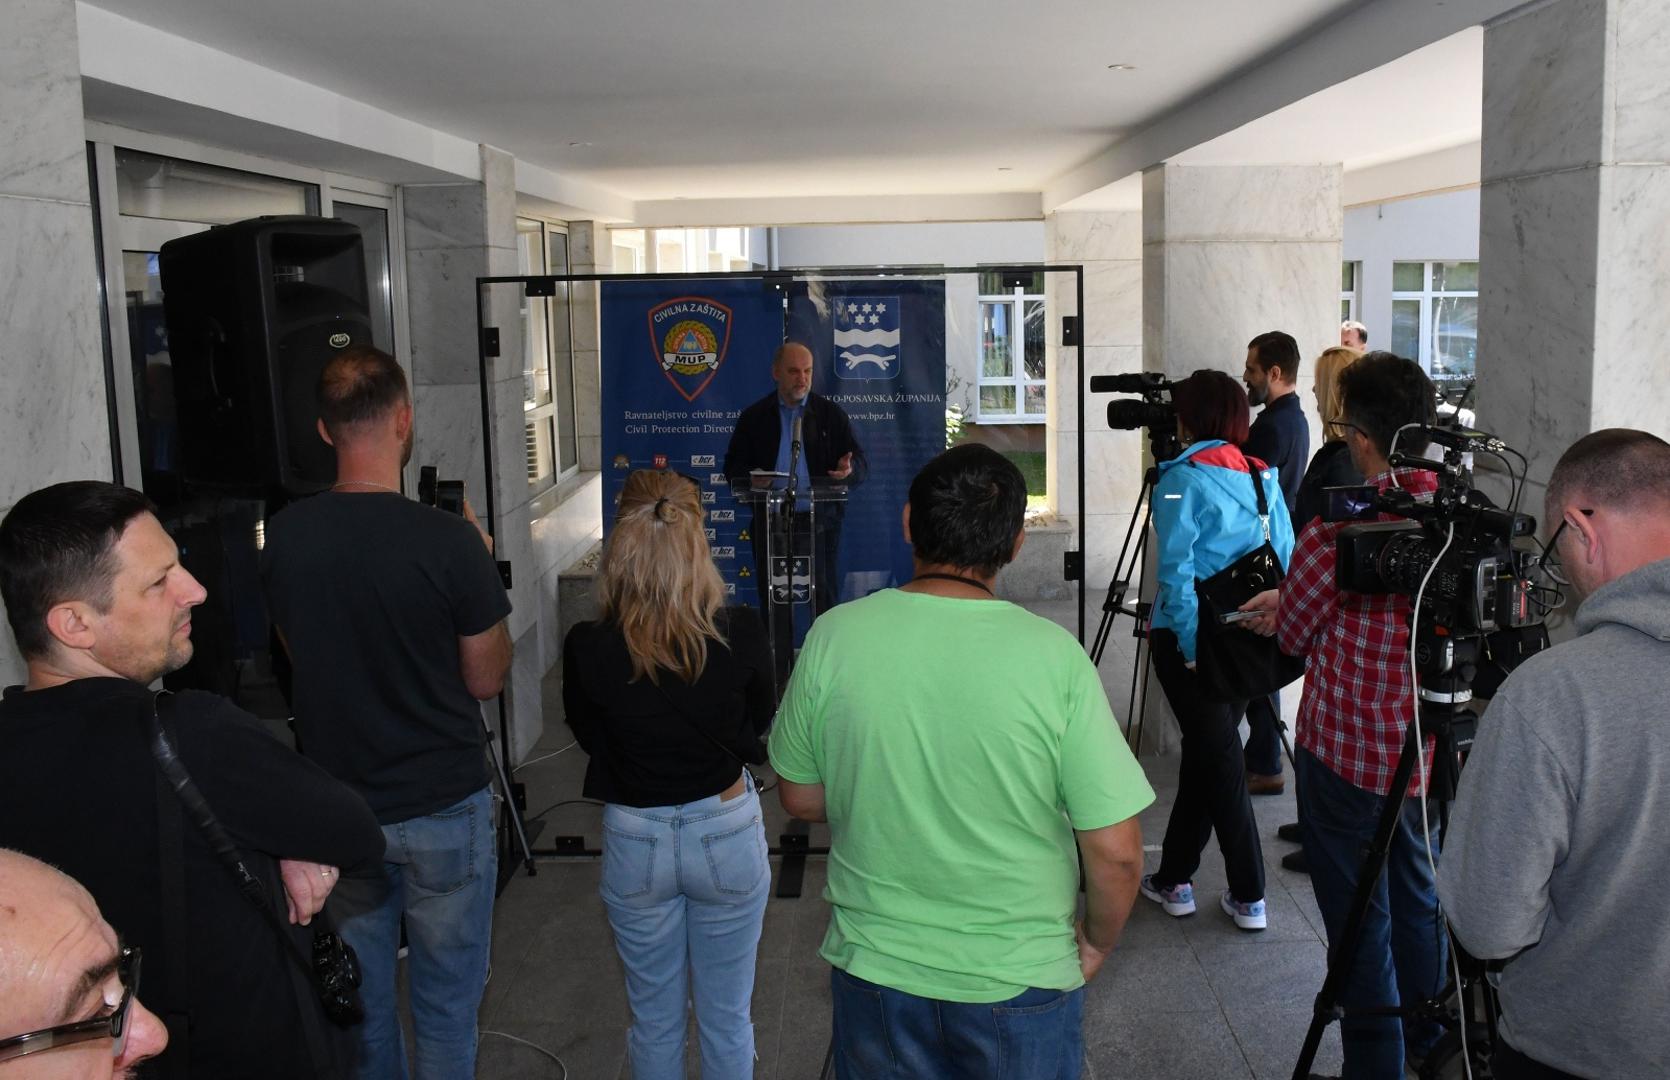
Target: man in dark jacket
x,y
101,607
763,440
1279,437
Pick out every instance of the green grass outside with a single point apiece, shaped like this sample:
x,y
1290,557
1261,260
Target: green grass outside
x,y
1031,465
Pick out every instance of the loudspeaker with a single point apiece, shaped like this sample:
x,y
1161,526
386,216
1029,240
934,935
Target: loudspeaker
x,y
255,310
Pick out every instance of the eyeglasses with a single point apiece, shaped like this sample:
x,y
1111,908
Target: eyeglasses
x,y
1551,552
114,1026
1342,422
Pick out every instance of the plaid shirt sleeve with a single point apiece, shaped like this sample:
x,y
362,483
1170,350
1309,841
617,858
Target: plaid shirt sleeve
x,y
1309,597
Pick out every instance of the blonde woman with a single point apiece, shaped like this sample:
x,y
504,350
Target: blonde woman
x,y
670,692
1331,465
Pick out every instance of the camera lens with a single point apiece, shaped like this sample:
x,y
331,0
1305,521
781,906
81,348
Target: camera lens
x,y
1129,415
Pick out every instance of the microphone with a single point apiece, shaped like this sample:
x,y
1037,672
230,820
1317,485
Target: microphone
x,y
794,466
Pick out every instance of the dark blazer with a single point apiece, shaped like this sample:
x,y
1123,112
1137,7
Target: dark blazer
x,y
825,432
1331,467
1280,437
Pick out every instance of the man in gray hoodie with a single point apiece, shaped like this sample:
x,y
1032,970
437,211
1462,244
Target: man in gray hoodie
x,y
1556,860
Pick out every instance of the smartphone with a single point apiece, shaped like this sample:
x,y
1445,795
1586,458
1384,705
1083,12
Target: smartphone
x,y
1230,618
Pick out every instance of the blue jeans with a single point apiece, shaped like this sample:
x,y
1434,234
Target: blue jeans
x,y
685,887
439,872
1404,947
887,1034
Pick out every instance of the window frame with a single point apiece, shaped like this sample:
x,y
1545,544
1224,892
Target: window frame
x,y
547,413
1017,298
1427,297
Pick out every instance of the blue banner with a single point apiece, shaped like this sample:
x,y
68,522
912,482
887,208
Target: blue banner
x,y
878,351
682,359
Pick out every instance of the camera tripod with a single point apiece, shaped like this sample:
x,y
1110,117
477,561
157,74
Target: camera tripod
x,y
1446,665
1163,446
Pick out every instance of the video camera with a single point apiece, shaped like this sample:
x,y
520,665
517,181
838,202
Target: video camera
x,y
1475,557
1155,411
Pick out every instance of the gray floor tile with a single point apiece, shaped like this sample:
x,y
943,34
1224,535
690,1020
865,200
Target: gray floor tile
x,y
1272,1038
1173,1046
1143,981
1268,973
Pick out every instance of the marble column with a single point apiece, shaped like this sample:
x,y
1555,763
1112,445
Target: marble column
x,y
1230,252
456,233
1109,247
1574,222
54,415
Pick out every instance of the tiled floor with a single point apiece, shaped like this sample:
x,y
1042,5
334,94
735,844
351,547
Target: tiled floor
x,y
1181,999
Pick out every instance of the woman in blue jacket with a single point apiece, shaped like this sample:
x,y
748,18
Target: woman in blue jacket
x,y
1205,518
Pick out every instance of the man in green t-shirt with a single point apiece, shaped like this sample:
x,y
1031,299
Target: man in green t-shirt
x,y
965,757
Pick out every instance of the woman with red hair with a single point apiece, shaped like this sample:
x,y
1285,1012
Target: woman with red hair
x,y
1205,518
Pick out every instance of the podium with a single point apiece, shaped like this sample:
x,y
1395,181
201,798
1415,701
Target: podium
x,y
789,561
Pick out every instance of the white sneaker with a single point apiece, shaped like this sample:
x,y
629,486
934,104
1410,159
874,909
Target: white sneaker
x,y
1249,916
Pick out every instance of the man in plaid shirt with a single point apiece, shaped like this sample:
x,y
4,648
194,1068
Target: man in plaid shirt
x,y
1357,704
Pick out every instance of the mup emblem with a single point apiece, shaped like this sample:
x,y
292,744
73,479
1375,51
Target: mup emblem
x,y
689,336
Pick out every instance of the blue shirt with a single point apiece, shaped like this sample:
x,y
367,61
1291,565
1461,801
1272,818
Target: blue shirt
x,y
788,414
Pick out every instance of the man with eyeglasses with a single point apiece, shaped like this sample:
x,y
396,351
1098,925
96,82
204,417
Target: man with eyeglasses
x,y
1556,860
1353,714
68,987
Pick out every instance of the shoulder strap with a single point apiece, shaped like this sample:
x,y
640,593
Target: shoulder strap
x,y
1258,492
190,799
696,726
171,865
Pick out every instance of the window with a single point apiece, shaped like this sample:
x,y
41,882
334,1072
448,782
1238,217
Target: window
x,y
1011,351
1348,292
680,251
1435,315
169,189
547,358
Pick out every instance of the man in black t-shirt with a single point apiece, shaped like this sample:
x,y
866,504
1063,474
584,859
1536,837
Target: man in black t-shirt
x,y
394,618
1280,437
101,607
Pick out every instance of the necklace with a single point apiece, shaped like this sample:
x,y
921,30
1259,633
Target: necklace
x,y
957,578
365,483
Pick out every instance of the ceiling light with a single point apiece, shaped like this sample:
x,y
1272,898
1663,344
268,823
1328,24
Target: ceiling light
x,y
578,143
1122,67
1005,168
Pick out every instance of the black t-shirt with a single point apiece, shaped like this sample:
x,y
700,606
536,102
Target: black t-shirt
x,y
372,592
78,790
676,743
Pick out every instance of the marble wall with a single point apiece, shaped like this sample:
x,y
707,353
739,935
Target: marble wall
x,y
1574,245
456,233
54,418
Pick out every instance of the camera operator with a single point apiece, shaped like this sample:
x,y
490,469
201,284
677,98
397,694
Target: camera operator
x,y
1355,709
394,617
1281,439
1556,854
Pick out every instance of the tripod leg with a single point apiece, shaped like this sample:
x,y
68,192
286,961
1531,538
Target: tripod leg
x,y
1343,953
505,793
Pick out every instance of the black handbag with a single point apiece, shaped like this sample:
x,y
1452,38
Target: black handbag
x,y
1233,663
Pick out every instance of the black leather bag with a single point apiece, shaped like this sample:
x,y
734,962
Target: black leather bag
x,y
1233,663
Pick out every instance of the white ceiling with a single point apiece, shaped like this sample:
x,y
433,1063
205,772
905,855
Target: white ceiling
x,y
766,98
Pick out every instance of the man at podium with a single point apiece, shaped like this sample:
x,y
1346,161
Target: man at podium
x,y
764,441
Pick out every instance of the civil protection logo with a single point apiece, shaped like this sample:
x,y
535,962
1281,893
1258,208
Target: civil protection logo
x,y
867,337
689,337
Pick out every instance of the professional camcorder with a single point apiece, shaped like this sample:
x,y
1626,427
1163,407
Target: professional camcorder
x,y
1155,411
1484,555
